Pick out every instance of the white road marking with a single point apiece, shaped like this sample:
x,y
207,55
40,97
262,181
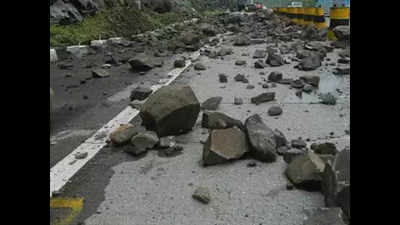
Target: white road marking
x,y
63,171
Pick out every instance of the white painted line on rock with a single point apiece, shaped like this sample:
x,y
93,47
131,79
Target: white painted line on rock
x,y
63,171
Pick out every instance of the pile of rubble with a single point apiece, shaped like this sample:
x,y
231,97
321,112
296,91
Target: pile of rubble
x,y
173,110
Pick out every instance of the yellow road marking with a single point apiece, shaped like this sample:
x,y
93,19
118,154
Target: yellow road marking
x,y
76,204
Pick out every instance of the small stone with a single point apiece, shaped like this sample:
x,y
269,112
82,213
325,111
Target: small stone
x,y
298,143
308,88
275,111
237,101
259,64
179,63
239,77
328,99
264,97
172,151
223,78
106,66
140,93
251,164
199,66
81,155
275,76
141,142
240,62
290,154
85,97
202,194
100,73
262,73
265,86
167,142
324,148
289,186
250,86
282,150
297,84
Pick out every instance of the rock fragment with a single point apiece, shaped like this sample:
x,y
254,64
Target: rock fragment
x,y
171,110
142,142
298,143
211,103
336,182
199,66
324,148
275,111
217,120
261,139
224,145
312,80
264,97
275,76
327,99
202,194
259,54
290,154
305,171
100,73
140,93
179,63
237,101
240,62
242,40
123,134
274,60
223,78
141,62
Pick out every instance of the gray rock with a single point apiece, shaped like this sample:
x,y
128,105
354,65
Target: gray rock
x,y
308,88
261,139
327,99
259,64
341,71
274,111
298,84
250,86
264,97
224,145
336,182
171,110
199,66
179,63
312,80
242,40
327,158
208,29
211,103
342,33
217,120
285,81
167,142
239,77
259,54
237,101
326,216
189,38
223,78
123,134
141,62
240,62
305,171
202,194
142,142
275,60
324,148
292,153
344,60
81,155
310,63
282,150
265,86
275,76
140,93
298,143
172,151
225,51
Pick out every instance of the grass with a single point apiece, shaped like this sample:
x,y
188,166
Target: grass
x,y
115,22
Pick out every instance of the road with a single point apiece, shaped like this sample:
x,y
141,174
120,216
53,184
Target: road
x,y
119,189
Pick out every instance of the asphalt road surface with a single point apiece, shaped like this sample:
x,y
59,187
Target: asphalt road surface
x,y
120,189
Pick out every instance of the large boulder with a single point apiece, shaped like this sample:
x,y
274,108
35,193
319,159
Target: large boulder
x,y
305,171
224,145
326,216
64,13
217,120
160,6
261,139
171,110
336,182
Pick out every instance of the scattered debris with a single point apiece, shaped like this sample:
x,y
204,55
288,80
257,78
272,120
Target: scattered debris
x,y
202,194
